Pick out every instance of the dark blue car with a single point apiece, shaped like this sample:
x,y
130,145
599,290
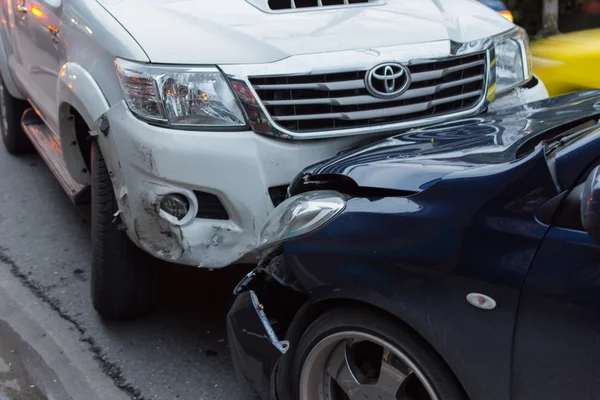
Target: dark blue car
x,y
460,261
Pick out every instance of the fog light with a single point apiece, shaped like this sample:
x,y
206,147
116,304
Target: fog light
x,y
176,205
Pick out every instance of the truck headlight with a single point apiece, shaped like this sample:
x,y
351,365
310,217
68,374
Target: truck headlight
x,y
513,59
192,97
301,215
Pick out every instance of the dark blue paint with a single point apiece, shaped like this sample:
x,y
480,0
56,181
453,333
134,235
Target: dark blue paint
x,y
557,343
418,257
469,225
411,161
496,5
257,344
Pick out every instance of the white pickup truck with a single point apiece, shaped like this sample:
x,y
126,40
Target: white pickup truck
x,y
183,121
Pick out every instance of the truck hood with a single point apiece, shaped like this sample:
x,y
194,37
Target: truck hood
x,y
246,31
415,160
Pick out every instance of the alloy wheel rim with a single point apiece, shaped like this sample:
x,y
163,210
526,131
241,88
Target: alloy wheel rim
x,y
3,119
355,365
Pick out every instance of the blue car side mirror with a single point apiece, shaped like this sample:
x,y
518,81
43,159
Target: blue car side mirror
x,y
590,204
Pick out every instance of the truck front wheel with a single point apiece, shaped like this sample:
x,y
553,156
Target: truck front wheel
x,y
11,110
122,274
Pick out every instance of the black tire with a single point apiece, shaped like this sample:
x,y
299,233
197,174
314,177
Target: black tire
x,y
122,274
11,110
340,320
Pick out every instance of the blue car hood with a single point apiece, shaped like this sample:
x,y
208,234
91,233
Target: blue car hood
x,y
414,160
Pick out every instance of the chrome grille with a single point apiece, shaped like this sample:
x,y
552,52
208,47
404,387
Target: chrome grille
x,y
291,4
309,103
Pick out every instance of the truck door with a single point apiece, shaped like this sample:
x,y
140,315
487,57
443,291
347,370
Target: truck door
x,y
38,26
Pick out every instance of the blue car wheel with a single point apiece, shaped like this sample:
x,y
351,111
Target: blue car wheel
x,y
349,353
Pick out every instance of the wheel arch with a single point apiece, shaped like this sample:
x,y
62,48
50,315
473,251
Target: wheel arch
x,y
81,104
305,300
311,310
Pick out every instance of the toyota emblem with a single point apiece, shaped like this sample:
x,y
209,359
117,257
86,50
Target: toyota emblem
x,y
388,80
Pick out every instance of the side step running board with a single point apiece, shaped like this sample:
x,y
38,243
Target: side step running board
x,y
49,147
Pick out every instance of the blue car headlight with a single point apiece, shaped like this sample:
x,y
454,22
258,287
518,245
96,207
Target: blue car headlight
x,y
513,59
301,215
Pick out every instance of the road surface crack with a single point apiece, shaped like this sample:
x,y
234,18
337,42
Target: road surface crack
x,y
109,368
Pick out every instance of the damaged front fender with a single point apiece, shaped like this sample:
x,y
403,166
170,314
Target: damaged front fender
x,y
155,233
147,163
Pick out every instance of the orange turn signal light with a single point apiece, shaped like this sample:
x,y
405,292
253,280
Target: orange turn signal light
x,y
35,10
507,14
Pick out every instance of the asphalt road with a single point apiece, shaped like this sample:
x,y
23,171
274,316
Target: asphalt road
x,y
179,352
41,354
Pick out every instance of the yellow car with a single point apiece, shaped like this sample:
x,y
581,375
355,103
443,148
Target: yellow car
x,y
568,62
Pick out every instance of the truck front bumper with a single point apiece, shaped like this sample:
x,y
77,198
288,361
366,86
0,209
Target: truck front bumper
x,y
235,176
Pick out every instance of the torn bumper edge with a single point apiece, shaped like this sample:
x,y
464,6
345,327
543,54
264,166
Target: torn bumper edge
x,y
255,349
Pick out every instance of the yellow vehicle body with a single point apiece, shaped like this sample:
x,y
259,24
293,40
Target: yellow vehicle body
x,y
568,62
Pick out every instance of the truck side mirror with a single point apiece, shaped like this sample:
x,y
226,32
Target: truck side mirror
x,y
590,204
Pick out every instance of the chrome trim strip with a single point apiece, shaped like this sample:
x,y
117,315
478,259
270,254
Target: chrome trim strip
x,y
282,345
440,73
340,85
353,100
360,83
382,112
